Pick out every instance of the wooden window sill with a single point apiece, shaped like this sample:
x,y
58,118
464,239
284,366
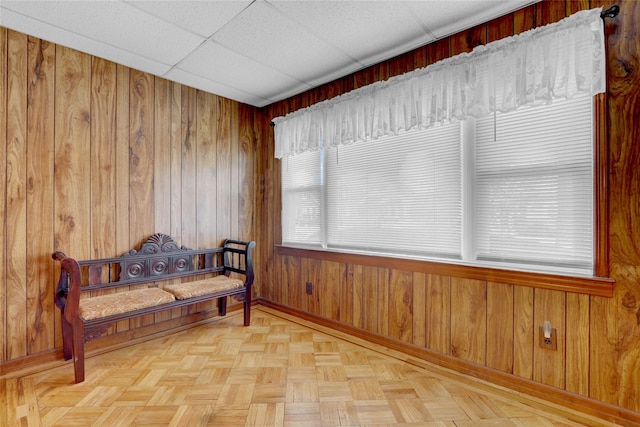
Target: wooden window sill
x,y
597,286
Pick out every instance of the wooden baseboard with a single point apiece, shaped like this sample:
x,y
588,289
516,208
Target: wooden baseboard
x,y
545,393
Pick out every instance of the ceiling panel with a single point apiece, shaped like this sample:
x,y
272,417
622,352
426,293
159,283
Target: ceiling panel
x,y
252,51
201,17
114,24
267,36
337,21
215,62
64,37
445,18
181,76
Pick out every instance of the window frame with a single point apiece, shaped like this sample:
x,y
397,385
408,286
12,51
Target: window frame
x,y
598,285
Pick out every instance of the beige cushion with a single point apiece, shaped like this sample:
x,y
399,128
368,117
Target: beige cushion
x,y
203,287
122,302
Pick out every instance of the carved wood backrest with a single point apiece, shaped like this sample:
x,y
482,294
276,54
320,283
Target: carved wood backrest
x,y
159,258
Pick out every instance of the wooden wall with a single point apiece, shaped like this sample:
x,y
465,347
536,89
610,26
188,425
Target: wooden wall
x,y
490,327
95,157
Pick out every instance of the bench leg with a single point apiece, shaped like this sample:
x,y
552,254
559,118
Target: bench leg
x,y
78,351
247,312
247,307
222,306
67,337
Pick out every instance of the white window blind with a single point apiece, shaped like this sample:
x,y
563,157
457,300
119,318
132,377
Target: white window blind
x,y
399,194
534,186
302,204
514,190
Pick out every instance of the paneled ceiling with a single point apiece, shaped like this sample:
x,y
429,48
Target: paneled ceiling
x,y
256,52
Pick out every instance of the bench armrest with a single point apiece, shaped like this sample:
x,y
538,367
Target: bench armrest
x,y
67,296
238,258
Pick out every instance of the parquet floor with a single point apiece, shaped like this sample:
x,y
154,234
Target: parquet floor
x,y
280,371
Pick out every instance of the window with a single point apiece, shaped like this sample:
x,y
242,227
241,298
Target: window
x,y
397,195
302,200
514,190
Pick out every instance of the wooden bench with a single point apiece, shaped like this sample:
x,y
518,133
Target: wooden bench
x,y
91,298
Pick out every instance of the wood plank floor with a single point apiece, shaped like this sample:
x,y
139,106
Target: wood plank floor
x,y
280,371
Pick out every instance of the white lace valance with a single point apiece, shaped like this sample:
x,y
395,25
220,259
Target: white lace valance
x,y
537,66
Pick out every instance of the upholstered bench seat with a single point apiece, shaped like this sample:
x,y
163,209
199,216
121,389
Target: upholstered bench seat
x,y
203,287
122,302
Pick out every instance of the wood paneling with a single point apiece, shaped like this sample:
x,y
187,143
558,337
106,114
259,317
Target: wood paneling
x,y
491,319
345,288
141,107
234,146
16,195
615,323
400,307
329,289
162,166
95,157
205,174
466,41
438,314
548,366
419,309
246,174
311,274
523,332
72,207
103,156
500,28
3,178
223,146
355,274
370,298
382,295
292,294
500,327
162,156
524,19
121,169
469,320
175,171
577,344
40,184
188,181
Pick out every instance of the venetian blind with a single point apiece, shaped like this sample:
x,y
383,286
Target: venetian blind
x,y
533,186
400,194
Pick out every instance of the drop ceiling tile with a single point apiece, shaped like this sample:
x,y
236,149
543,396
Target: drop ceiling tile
x,y
215,62
261,32
366,31
15,21
201,17
113,23
335,73
444,18
183,77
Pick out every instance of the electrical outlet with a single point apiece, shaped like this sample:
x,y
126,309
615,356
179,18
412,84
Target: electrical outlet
x,y
309,288
548,343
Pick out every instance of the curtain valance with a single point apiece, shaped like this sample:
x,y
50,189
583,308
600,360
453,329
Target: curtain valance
x,y
537,66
